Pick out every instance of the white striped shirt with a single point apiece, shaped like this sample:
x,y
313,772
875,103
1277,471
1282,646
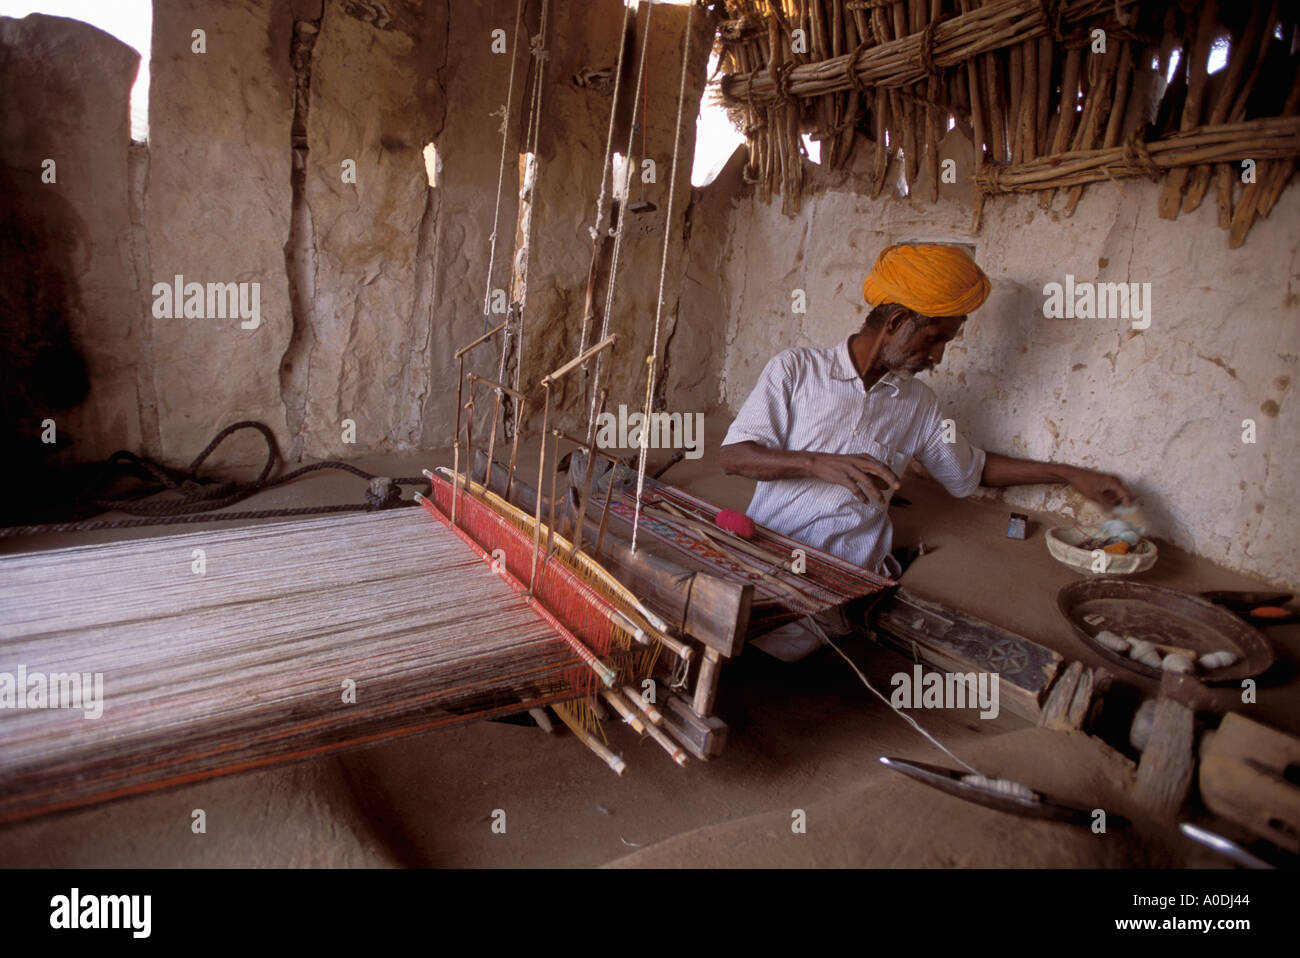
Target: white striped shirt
x,y
814,400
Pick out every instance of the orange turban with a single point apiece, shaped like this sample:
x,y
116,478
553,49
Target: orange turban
x,y
932,279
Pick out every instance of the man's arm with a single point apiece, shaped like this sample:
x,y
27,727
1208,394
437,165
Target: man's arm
x,y
1100,487
860,474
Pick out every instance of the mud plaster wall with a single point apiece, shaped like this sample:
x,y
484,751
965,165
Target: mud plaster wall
x,y
69,245
365,288
572,154
1163,408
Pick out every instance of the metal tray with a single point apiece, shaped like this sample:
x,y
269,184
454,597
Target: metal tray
x,y
1164,615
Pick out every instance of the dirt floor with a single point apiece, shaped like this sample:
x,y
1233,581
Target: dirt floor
x,y
804,738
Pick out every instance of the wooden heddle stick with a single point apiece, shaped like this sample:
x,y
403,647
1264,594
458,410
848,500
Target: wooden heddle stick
x,y
547,381
459,356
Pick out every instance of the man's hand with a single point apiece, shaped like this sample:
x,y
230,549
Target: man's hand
x,y
861,474
1101,487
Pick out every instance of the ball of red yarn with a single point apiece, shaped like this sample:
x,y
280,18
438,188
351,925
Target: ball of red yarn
x,y
736,522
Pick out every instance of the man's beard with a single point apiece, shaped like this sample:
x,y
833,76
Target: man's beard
x,y
906,368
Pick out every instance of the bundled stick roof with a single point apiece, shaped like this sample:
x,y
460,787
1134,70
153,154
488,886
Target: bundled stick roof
x,y
1051,95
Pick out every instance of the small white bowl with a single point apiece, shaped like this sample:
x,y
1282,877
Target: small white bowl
x,y
1063,544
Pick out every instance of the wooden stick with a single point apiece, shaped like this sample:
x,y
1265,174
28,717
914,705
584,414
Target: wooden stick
x,y
555,468
460,379
498,388
586,738
482,339
932,135
648,710
1029,102
493,384
578,360
977,111
1266,179
897,63
1043,108
589,447
541,466
1016,77
1281,172
1123,80
998,146
469,445
1171,197
1225,178
514,446
652,728
706,683
1270,138
1165,773
1069,101
628,713
1240,53
1095,103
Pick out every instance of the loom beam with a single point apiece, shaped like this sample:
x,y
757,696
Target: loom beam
x,y
713,610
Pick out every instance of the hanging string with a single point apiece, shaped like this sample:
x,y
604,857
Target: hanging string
x,y
532,175
598,230
501,172
622,220
816,627
652,359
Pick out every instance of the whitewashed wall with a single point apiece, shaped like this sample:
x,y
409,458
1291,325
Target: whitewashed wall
x,y
1163,407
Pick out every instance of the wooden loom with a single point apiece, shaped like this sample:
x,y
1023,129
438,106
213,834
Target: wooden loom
x,y
712,589
619,619
250,663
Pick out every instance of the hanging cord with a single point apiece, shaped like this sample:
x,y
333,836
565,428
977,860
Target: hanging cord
x,y
597,230
653,358
200,497
501,172
533,175
816,627
622,222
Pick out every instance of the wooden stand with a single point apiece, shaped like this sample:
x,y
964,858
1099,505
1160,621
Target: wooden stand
x,y
1250,775
702,735
952,641
1074,697
1165,773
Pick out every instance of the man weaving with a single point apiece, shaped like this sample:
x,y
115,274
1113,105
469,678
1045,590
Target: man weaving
x,y
828,432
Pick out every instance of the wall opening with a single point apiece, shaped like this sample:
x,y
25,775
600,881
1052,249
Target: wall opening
x,y
432,163
716,138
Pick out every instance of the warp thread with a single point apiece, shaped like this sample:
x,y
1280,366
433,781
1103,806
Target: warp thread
x,y
816,627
